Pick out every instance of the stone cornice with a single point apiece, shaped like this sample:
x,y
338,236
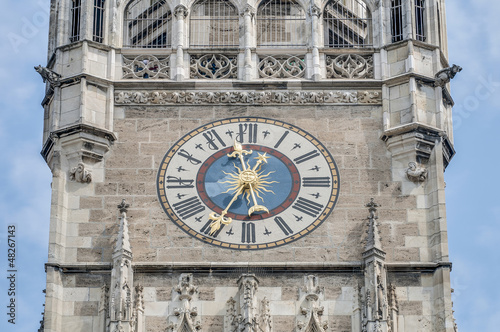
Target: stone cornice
x,y
238,267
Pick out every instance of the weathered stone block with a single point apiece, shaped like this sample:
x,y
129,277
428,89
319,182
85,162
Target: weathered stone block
x,y
86,308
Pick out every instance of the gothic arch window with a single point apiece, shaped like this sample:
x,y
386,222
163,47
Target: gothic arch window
x,y
420,20
75,12
347,23
281,23
98,24
214,23
148,24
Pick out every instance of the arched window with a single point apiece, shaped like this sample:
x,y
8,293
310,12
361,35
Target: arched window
x,y
214,23
347,23
98,26
148,23
281,23
76,9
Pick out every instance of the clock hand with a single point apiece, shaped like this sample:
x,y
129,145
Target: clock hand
x,y
256,207
218,220
239,152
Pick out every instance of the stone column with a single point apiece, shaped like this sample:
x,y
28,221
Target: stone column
x,y
315,13
180,13
248,19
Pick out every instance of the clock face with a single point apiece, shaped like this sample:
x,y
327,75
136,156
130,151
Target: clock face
x,y
248,183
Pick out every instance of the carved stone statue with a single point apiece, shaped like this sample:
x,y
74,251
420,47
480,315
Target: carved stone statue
x,y
446,75
48,75
416,173
80,174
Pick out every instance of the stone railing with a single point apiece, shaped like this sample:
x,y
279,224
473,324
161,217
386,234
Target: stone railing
x,y
349,66
282,66
146,67
215,66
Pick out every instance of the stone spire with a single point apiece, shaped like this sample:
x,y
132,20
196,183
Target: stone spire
x,y
122,314
373,243
375,314
123,241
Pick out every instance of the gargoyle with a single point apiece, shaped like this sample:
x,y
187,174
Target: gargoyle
x,y
446,75
48,75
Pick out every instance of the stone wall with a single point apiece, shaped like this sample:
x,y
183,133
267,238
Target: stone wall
x,y
352,135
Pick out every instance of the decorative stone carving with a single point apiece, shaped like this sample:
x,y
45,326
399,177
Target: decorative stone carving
x,y
416,173
230,320
286,66
243,313
181,11
444,76
214,66
266,319
247,97
248,10
49,75
146,66
80,174
315,11
311,308
185,314
350,66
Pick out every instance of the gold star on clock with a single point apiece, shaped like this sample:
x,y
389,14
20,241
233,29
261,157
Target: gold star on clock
x,y
262,158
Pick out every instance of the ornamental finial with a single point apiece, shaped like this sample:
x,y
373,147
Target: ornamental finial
x,y
123,206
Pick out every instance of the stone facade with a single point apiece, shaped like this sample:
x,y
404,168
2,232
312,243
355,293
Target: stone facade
x,y
378,263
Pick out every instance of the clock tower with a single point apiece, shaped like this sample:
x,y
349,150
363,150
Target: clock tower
x,y
257,166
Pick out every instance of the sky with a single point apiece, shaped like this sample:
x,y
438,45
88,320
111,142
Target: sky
x,y
473,207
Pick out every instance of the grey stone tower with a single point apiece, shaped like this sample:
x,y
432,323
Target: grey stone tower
x,y
348,100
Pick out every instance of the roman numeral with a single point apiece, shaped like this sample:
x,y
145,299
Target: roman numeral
x,y
248,232
211,136
206,229
281,139
179,183
189,157
247,129
188,207
283,225
316,182
308,207
306,157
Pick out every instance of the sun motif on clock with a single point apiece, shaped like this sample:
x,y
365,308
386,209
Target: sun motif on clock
x,y
248,183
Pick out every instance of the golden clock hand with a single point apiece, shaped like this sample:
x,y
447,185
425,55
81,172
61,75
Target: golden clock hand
x,y
218,220
256,207
239,152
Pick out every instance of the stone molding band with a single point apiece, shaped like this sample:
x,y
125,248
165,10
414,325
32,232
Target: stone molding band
x,y
261,267
167,97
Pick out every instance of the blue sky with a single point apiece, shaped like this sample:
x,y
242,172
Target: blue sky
x,y
473,207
